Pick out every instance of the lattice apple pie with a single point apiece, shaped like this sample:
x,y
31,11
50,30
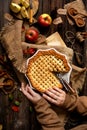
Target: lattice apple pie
x,y
40,68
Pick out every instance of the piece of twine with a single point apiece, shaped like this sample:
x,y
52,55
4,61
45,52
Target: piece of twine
x,y
71,39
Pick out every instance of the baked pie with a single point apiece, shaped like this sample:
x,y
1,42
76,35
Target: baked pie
x,y
41,67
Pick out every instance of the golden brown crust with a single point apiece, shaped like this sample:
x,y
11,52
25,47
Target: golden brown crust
x,y
41,66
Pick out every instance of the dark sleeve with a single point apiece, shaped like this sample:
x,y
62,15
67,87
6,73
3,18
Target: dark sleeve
x,y
47,117
75,102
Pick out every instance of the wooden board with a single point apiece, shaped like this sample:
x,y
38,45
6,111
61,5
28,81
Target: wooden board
x,y
35,5
25,119
55,40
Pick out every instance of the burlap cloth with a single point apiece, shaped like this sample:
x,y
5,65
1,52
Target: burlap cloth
x,y
11,41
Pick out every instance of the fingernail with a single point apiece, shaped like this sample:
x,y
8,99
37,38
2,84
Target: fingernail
x,y
20,89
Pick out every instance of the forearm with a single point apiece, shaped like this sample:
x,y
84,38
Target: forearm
x,y
47,117
74,102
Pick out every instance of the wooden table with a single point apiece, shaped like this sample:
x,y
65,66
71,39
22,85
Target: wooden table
x,y
25,119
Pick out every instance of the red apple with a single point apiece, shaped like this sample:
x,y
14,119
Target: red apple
x,y
29,51
45,20
31,34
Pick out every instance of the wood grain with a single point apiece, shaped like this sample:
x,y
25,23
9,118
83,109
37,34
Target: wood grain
x,y
26,119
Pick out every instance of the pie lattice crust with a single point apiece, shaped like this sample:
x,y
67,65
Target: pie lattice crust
x,y
41,66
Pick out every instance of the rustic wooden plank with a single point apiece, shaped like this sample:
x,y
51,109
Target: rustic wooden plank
x,y
4,8
25,119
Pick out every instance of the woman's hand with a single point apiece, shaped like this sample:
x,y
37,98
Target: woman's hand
x,y
30,94
55,96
